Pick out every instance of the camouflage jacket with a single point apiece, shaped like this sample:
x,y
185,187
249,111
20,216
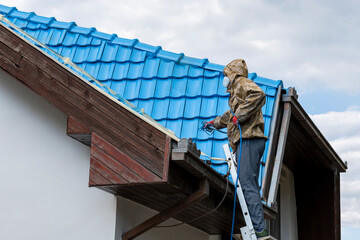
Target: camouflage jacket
x,y
246,100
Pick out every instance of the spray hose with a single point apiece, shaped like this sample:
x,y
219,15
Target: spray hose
x,y
237,178
209,129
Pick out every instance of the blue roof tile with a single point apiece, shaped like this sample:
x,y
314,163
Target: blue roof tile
x,y
137,56
163,87
189,128
208,107
178,87
170,55
95,53
33,26
147,47
147,105
121,70
160,109
214,67
92,68
82,30
106,71
21,15
211,74
147,89
210,86
195,87
192,107
176,108
68,52
178,91
118,86
166,69
102,35
57,37
125,42
84,40
196,71
44,36
81,54
151,68
62,25
20,22
175,125
132,88
43,20
123,54
70,39
193,61
109,54
135,70
96,41
180,70
7,10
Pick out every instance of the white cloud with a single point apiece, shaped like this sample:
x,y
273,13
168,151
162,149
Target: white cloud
x,y
336,125
350,212
343,131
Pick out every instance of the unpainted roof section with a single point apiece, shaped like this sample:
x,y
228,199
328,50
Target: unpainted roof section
x,y
176,90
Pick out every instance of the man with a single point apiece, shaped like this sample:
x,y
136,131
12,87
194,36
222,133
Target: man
x,y
246,100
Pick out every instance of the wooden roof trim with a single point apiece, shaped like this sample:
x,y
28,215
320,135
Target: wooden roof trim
x,y
303,118
94,110
67,61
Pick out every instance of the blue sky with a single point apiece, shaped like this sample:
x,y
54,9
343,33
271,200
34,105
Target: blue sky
x,y
310,45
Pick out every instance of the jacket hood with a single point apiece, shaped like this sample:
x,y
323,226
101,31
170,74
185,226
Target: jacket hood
x,y
236,68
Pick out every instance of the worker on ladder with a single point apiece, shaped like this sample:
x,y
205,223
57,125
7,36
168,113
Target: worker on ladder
x,y
245,101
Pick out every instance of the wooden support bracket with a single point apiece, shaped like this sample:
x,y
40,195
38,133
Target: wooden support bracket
x,y
197,196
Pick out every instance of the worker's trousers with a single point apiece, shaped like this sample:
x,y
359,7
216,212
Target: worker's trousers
x,y
251,152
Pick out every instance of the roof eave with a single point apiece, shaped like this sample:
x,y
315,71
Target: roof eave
x,y
303,118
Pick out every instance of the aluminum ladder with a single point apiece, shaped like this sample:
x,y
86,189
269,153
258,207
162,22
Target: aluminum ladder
x,y
247,232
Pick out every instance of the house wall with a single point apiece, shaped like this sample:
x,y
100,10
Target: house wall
x,y
288,216
130,214
44,174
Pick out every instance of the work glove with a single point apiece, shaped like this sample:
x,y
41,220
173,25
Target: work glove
x,y
235,120
211,123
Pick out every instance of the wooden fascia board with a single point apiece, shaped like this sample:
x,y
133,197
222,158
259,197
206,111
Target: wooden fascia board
x,y
303,118
185,156
79,99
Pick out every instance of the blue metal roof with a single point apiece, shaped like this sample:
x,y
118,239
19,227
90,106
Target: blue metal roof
x,y
176,90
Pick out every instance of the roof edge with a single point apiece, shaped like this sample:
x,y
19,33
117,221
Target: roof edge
x,y
304,119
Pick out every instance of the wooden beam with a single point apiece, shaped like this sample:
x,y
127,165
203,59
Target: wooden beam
x,y
116,166
77,131
197,196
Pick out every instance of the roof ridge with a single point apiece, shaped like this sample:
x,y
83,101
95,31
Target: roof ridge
x,y
155,51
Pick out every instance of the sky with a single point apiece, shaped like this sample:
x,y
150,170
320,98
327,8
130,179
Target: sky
x,y
311,45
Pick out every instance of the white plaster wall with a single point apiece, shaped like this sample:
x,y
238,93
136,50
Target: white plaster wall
x,y
288,217
44,173
130,214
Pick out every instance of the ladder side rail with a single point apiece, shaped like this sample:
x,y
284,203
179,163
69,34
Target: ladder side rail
x,y
248,233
